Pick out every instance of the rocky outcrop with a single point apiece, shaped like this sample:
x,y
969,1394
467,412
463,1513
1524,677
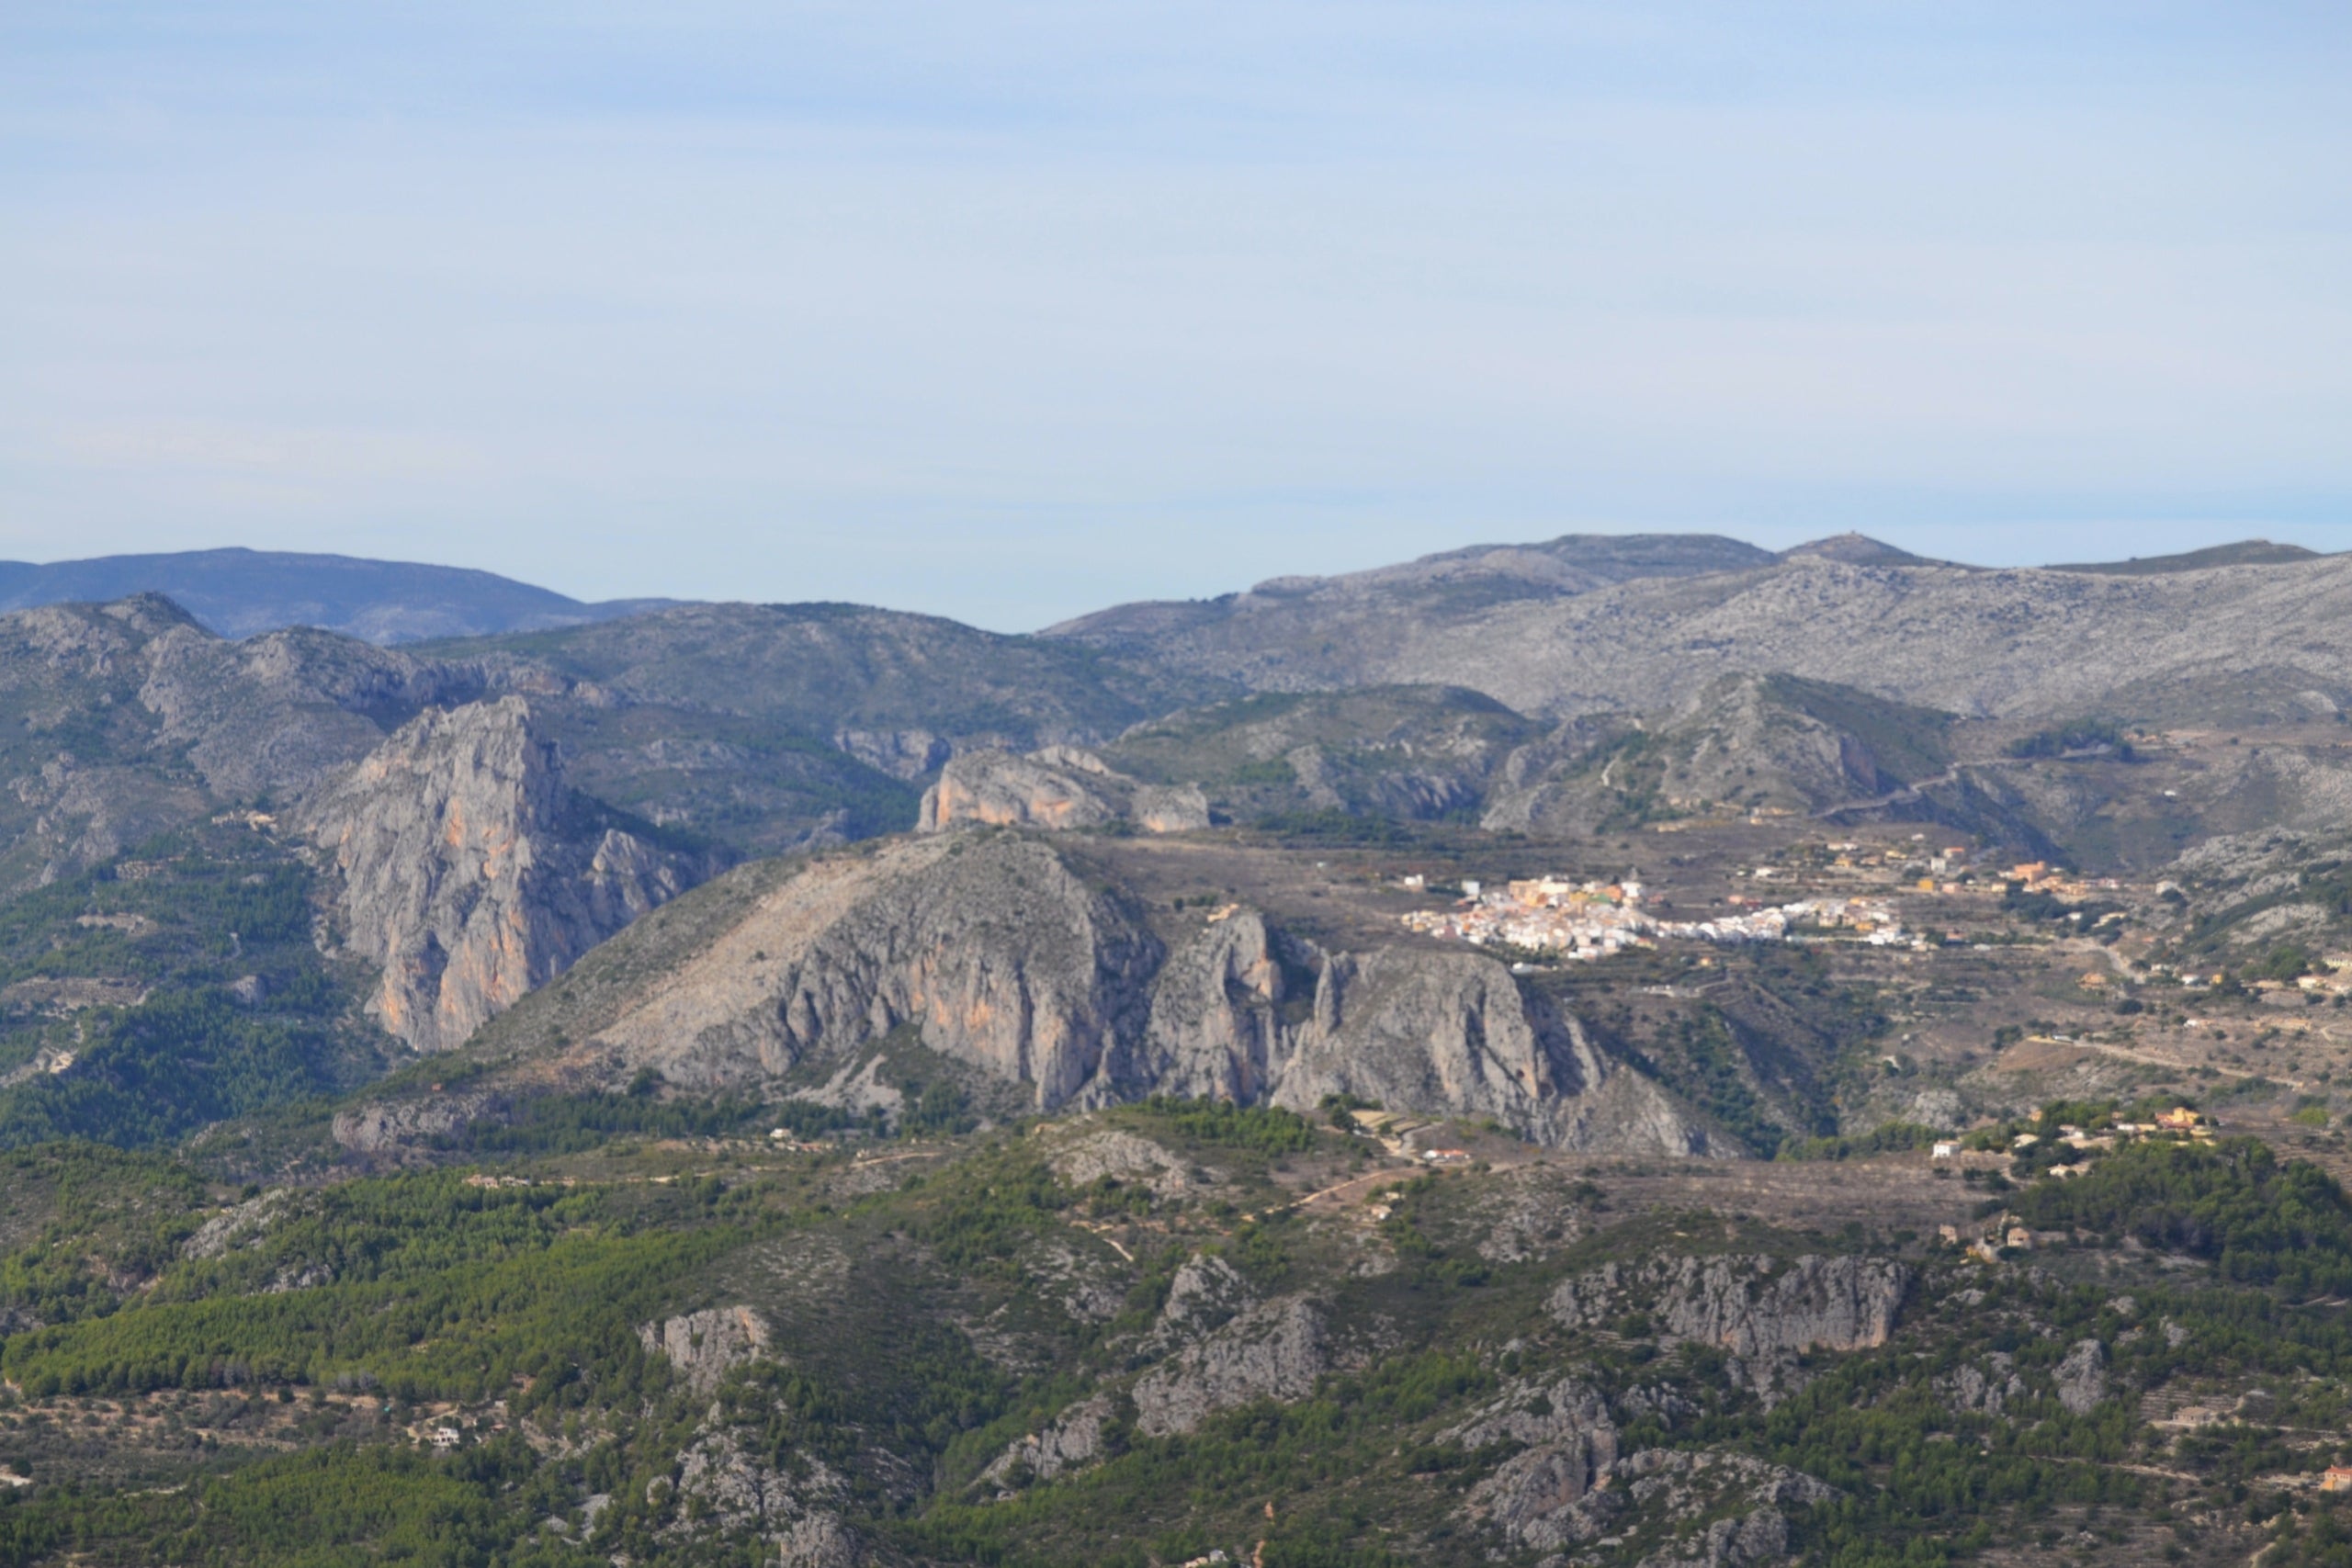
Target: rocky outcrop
x,y
995,951
1006,951
1205,1295
1215,1029
384,1125
1567,1484
470,873
1073,1440
1402,1026
1124,1156
702,1348
1273,1351
1681,1484
2081,1378
1057,787
1550,1494
1002,956
1764,1310
1545,1498
999,789
1407,1028
240,1226
1411,1028
1982,1391
721,1489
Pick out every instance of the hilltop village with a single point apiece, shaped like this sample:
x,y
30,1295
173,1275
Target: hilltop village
x,y
1588,920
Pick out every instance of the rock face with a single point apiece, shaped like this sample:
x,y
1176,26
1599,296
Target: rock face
x,y
1407,1028
1002,951
727,1491
1411,1027
1569,1482
1215,1029
1763,1310
703,1347
1272,1351
384,1125
470,873
1205,1295
1984,1391
2081,1378
1681,1483
1549,1495
1057,787
1003,957
1072,1442
1124,1156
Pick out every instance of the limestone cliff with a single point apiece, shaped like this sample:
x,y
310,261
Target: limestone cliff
x,y
1274,1351
1765,1312
994,951
469,873
1244,1013
703,1347
1003,952
1057,787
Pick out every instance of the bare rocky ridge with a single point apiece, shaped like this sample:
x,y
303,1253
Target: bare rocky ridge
x,y
1976,642
383,1125
1550,1494
467,874
1059,787
1762,1310
1000,951
1570,1483
1250,636
2081,1378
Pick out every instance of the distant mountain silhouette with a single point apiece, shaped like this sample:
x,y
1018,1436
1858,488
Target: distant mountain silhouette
x,y
2245,552
238,592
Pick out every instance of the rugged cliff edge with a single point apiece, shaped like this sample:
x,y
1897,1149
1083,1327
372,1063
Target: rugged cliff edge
x,y
1004,954
469,871
1059,787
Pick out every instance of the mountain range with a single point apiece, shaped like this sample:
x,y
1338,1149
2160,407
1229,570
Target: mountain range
x,y
239,593
1626,1051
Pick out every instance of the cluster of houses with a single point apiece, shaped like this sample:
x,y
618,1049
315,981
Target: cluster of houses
x,y
1549,914
2039,876
2178,1122
1591,919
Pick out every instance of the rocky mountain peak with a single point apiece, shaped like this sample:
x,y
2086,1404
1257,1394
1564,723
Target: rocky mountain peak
x,y
470,872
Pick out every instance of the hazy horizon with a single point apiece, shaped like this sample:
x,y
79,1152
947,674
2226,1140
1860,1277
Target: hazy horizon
x,y
2051,556
1013,311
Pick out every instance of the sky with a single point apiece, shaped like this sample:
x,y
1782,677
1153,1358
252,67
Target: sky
x,y
1010,310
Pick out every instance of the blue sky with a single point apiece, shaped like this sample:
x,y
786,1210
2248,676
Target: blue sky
x,y
1010,310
